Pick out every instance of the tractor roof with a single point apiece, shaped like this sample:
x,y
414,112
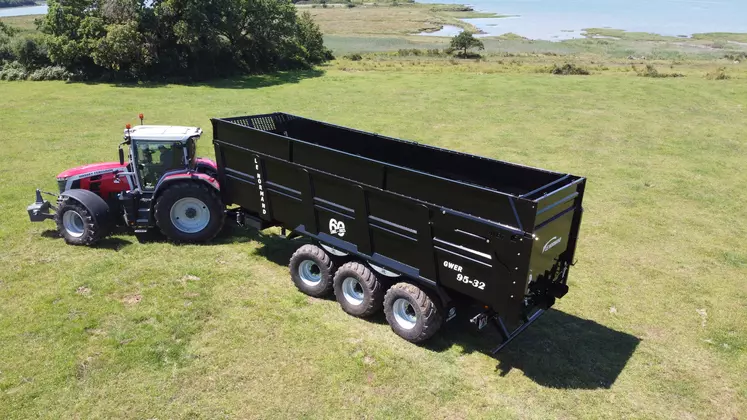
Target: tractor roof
x,y
163,132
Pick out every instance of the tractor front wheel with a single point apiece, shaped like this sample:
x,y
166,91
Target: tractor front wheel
x,y
76,224
189,212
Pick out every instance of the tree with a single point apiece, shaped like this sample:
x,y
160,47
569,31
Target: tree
x,y
466,41
180,39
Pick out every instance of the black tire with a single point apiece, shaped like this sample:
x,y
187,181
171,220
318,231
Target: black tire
x,y
312,270
82,227
425,309
192,189
363,295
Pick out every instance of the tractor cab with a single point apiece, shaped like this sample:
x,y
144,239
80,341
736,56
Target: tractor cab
x,y
163,157
156,150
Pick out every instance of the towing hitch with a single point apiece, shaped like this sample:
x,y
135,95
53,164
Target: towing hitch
x,y
482,320
39,210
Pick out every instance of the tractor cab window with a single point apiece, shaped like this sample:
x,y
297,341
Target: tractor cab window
x,y
154,159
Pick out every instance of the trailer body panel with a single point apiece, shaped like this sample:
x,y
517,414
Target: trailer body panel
x,y
469,226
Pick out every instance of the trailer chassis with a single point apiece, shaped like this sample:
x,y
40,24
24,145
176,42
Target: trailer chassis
x,y
491,317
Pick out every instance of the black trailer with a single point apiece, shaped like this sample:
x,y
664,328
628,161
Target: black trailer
x,y
415,229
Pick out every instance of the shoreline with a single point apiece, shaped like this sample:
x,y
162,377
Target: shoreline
x,y
595,32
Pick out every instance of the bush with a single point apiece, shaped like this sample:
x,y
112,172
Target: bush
x,y
13,71
408,52
353,57
431,52
30,52
51,73
736,56
569,69
651,71
6,51
468,55
719,74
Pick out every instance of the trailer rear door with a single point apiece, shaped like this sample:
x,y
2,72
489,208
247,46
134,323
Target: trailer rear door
x,y
556,232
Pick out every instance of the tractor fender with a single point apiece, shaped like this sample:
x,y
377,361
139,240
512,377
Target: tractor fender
x,y
204,165
186,176
93,203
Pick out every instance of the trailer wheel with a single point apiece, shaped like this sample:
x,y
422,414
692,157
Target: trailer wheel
x,y
311,270
412,313
358,290
189,212
76,224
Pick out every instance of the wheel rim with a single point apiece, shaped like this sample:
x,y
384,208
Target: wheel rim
x,y
310,272
352,291
190,215
404,314
73,223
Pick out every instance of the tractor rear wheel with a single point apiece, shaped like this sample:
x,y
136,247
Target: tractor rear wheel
x,y
76,224
189,212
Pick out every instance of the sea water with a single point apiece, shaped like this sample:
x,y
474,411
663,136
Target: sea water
x,y
563,19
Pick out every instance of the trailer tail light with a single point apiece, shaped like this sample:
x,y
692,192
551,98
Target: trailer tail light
x,y
128,126
140,115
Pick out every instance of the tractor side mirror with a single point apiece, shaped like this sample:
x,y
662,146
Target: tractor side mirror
x,y
121,156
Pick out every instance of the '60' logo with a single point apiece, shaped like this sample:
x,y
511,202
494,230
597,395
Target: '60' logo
x,y
336,228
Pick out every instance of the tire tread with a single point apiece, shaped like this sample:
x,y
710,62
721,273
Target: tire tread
x,y
370,281
429,308
325,264
91,235
160,212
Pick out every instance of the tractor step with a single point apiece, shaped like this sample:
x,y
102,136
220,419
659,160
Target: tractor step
x,y
245,219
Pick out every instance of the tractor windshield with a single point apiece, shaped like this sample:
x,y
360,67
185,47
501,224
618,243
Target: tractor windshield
x,y
154,159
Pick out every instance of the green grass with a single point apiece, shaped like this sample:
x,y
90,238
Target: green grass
x,y
26,24
725,36
402,20
634,36
654,325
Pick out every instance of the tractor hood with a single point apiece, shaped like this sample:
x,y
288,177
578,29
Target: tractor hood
x,y
91,170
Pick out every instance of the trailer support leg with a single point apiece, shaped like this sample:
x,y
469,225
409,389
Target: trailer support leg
x,y
508,337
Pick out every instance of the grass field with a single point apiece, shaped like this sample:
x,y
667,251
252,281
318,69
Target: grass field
x,y
382,19
654,326
26,24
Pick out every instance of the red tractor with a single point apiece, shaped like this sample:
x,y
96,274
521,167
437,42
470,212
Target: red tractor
x,y
162,186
